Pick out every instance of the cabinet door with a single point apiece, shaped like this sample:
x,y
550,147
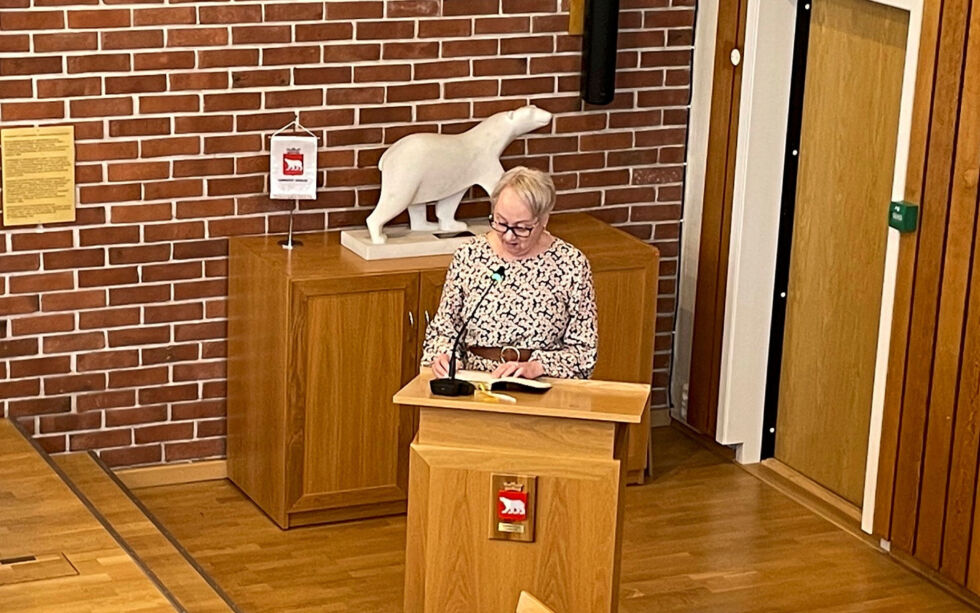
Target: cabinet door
x,y
353,347
430,292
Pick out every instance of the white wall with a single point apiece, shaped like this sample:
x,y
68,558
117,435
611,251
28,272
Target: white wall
x,y
768,57
766,67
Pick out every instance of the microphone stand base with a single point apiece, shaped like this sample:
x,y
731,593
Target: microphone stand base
x,y
451,387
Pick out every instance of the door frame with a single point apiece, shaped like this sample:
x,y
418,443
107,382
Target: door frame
x,y
767,69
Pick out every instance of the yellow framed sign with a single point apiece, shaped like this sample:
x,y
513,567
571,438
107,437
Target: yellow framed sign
x,y
38,175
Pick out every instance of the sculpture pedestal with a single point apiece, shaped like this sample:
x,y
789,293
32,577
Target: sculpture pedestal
x,y
404,243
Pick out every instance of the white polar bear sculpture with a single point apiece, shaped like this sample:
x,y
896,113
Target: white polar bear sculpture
x,y
423,168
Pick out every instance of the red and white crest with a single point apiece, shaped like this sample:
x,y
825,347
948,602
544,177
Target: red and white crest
x,y
511,505
292,162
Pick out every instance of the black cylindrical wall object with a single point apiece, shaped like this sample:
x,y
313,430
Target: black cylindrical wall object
x,y
601,29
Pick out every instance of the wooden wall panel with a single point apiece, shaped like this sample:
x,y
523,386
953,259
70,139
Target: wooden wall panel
x,y
960,505
952,307
927,502
928,271
908,244
962,518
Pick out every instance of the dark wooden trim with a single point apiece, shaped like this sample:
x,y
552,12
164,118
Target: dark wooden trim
x,y
712,278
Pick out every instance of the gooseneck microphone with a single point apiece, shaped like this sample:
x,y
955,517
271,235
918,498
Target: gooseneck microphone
x,y
451,386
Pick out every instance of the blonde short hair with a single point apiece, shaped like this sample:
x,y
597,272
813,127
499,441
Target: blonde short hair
x,y
534,187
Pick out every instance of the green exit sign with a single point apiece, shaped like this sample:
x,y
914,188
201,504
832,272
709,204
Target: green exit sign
x,y
903,216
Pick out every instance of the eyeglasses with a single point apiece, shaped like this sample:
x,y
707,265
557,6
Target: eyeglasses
x,y
519,231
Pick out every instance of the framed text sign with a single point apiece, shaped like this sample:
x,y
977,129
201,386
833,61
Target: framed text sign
x,y
38,175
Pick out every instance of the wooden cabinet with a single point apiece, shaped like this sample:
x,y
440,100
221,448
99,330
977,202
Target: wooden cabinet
x,y
319,340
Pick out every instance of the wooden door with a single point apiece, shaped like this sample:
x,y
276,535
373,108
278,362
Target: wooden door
x,y
848,137
353,347
716,220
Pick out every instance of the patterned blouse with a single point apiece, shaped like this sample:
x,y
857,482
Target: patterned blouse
x,y
546,303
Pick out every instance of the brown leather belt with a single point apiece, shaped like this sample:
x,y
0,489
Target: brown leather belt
x,y
501,354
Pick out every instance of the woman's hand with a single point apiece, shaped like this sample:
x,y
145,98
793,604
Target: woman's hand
x,y
531,369
440,365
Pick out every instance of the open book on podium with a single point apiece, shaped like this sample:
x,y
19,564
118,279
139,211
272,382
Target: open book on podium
x,y
500,490
484,381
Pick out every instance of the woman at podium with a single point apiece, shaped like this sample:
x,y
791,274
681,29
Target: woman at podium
x,y
540,320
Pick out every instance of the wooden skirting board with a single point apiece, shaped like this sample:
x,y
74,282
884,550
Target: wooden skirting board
x,y
173,474
821,501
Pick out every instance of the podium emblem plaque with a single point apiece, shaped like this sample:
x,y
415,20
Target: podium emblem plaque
x,y
512,499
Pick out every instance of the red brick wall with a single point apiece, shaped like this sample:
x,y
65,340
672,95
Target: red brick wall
x,y
112,334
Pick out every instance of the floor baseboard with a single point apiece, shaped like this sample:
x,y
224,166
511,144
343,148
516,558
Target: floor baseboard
x,y
172,474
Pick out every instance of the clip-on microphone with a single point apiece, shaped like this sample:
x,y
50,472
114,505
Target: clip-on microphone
x,y
451,386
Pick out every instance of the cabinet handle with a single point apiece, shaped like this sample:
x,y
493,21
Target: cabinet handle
x,y
427,320
411,319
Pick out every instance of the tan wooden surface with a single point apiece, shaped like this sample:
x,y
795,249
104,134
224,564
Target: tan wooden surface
x,y
186,583
258,320
576,17
578,462
352,342
168,474
570,563
41,516
847,150
527,603
568,398
702,535
798,481
716,211
304,441
627,314
575,437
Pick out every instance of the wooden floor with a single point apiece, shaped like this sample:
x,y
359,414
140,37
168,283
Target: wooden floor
x,y
701,535
56,553
185,582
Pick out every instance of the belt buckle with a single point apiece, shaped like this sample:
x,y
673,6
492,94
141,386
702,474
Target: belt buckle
x,y
503,351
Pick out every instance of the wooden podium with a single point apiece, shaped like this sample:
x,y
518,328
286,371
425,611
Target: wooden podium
x,y
565,450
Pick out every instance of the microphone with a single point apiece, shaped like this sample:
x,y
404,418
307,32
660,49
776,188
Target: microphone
x,y
451,386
